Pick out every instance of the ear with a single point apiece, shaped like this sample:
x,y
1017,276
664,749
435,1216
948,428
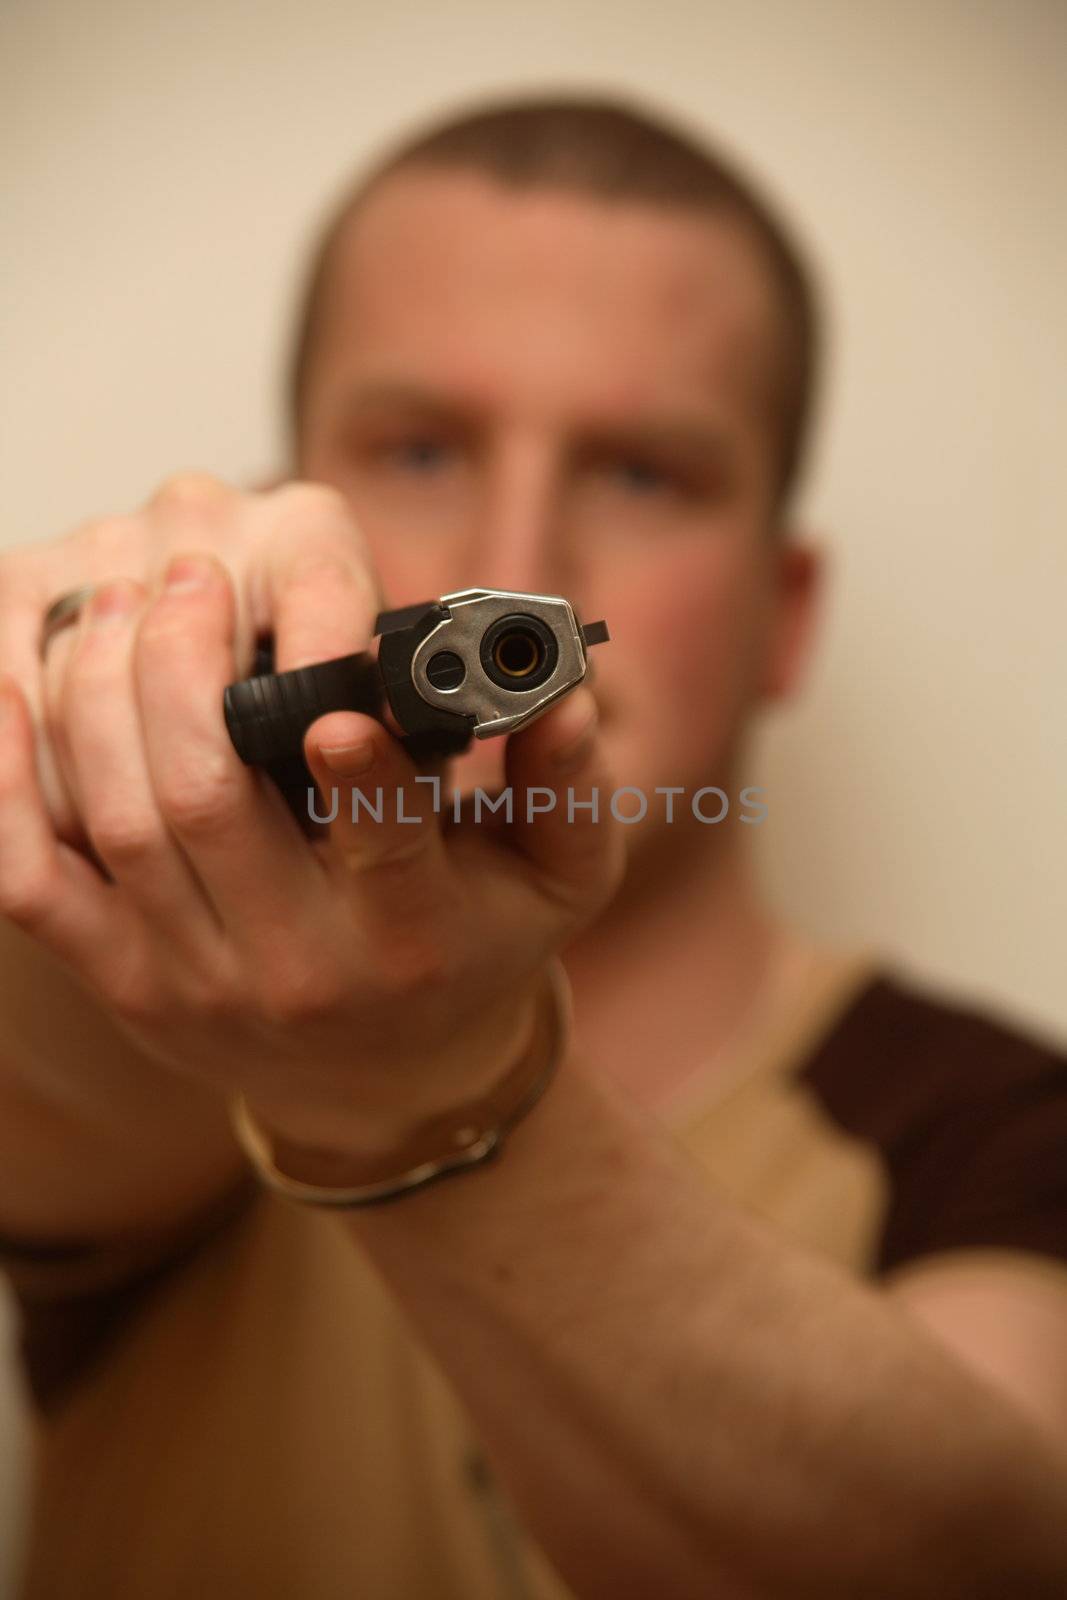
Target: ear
x,y
798,583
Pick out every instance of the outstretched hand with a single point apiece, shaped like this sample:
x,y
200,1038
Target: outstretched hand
x,y
348,985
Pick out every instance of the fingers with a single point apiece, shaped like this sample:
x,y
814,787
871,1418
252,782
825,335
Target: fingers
x,y
46,888
53,762
239,837
101,731
26,590
195,511
298,562
61,653
302,568
383,826
563,825
22,605
321,590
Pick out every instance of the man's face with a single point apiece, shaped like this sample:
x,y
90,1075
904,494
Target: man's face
x,y
543,392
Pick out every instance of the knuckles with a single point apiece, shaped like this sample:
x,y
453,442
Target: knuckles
x,y
317,522
133,996
109,542
219,998
27,894
135,1008
138,996
124,838
199,494
412,968
320,504
299,999
201,801
294,990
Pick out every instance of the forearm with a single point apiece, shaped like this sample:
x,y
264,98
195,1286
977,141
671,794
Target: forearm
x,y
67,1177
94,1137
683,1403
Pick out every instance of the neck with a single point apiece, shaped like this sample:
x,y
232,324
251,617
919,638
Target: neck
x,y
676,966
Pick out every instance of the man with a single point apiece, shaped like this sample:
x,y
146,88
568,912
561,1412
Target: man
x,y
765,1295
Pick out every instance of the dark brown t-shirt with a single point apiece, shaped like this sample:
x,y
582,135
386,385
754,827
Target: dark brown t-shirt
x,y
242,1407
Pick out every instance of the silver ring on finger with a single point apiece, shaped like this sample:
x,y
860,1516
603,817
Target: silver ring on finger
x,y
64,612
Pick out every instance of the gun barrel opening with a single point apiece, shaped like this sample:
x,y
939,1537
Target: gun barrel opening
x,y
518,653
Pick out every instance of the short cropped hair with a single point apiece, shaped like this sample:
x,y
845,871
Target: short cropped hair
x,y
611,151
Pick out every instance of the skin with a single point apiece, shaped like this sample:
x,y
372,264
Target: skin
x,y
560,332
500,431
503,433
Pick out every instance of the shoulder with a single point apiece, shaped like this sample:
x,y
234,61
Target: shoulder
x,y
901,1053
968,1112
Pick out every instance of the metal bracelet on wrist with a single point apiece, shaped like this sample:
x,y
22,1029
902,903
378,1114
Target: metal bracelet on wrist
x,y
447,1144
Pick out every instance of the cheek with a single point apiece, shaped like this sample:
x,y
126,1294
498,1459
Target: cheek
x,y
687,616
678,673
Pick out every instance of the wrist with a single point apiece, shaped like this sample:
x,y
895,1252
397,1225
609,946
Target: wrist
x,y
341,1159
387,1104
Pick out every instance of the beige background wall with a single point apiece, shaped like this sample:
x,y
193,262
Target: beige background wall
x,y
161,167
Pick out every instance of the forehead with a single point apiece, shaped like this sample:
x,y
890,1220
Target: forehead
x,y
547,298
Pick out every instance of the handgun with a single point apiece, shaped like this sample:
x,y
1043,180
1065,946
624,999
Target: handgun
x,y
474,664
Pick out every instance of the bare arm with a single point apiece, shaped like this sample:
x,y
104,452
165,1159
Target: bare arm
x,y
96,1135
685,1404
96,1139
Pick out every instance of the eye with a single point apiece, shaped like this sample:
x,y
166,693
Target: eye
x,y
421,454
643,477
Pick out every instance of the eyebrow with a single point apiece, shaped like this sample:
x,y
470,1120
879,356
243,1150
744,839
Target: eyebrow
x,y
691,435
397,394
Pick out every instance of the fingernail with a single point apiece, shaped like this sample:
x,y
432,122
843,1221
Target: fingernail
x,y
111,603
577,744
187,572
349,759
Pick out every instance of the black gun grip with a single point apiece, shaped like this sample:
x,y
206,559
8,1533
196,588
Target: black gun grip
x,y
268,713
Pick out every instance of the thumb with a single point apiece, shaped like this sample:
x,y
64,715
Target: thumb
x,y
563,823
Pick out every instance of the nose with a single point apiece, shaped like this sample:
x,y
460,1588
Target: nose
x,y
519,538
